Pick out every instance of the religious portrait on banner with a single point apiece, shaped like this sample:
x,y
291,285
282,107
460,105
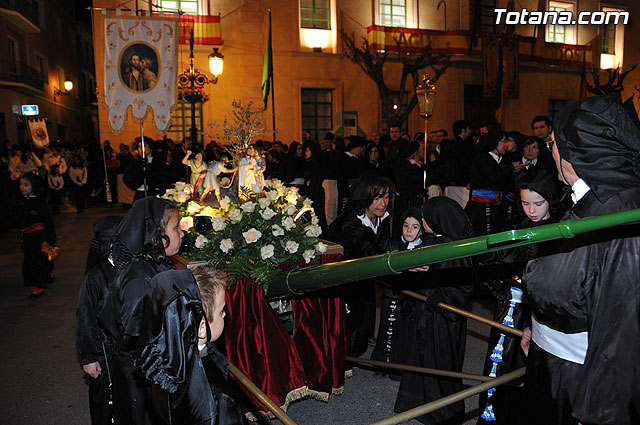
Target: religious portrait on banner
x,y
140,57
139,67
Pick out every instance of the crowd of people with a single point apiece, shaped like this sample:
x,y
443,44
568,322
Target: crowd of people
x,y
577,301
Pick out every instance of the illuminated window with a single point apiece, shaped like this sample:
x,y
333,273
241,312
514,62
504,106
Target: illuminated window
x,y
317,112
393,13
557,33
609,39
315,14
189,7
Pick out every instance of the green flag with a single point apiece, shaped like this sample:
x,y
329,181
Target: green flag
x,y
267,68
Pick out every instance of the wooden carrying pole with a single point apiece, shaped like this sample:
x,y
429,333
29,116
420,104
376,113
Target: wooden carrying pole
x,y
264,399
417,369
450,399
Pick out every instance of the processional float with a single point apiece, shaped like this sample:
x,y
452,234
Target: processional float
x,y
301,283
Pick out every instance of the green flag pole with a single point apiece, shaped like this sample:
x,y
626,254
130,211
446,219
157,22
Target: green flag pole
x,y
267,79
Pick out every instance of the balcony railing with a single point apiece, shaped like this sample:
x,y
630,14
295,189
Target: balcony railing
x,y
18,72
27,9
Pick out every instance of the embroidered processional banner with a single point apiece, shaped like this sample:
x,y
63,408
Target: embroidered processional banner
x,y
38,131
140,69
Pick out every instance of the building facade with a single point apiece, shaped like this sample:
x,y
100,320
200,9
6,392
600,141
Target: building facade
x,y
43,44
314,83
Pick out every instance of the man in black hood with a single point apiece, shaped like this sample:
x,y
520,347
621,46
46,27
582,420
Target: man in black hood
x,y
584,294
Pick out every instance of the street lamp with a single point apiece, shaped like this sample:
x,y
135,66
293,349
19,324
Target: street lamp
x,y
426,93
192,83
68,86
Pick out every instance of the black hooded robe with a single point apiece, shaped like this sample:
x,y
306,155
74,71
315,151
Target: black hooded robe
x,y
591,283
430,336
188,385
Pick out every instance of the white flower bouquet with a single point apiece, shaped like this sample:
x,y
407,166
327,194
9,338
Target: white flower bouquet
x,y
255,236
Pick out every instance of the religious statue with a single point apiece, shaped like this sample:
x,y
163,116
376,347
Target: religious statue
x,y
251,170
211,180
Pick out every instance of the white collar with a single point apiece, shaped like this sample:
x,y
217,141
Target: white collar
x,y
578,190
526,162
350,154
495,156
366,221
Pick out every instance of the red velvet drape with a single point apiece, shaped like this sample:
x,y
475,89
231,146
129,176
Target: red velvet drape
x,y
257,343
322,338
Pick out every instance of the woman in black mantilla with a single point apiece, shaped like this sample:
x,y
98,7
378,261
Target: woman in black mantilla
x,y
146,237
501,272
429,336
364,229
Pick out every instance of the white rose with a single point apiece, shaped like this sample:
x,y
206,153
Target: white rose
x,y
307,202
292,246
235,215
200,241
308,255
290,209
186,223
224,203
266,251
264,202
268,183
268,214
180,186
226,245
217,222
277,230
188,188
182,197
288,223
314,219
321,248
248,206
313,231
171,192
252,235
272,195
193,207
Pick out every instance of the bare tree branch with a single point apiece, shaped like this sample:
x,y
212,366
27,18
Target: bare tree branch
x,y
372,62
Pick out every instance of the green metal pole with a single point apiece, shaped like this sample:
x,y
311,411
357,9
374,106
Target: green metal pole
x,y
445,401
300,281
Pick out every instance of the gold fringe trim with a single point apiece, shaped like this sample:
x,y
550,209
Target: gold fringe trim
x,y
337,391
291,397
319,395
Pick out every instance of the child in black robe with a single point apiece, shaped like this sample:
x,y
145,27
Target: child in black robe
x,y
539,200
386,349
181,321
429,336
36,227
